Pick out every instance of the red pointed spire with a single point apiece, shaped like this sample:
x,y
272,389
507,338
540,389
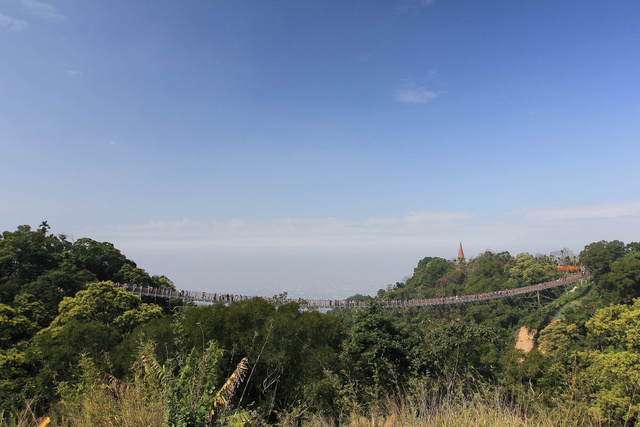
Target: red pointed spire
x,y
460,252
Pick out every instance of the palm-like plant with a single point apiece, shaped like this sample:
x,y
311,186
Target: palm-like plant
x,y
179,393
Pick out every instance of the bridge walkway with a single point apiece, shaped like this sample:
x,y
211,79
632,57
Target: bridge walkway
x,y
213,297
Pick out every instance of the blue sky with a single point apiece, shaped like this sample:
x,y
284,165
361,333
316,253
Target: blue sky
x,y
321,147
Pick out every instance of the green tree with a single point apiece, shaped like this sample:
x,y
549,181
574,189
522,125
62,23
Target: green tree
x,y
489,272
26,254
451,349
100,258
134,275
452,283
16,372
162,282
425,281
107,304
528,270
560,337
428,271
159,331
614,362
288,350
51,287
14,326
376,354
622,282
599,257
91,323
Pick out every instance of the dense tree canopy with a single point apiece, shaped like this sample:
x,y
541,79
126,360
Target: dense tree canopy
x,y
599,257
59,309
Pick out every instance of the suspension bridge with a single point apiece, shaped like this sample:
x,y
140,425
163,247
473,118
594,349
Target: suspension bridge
x,y
214,297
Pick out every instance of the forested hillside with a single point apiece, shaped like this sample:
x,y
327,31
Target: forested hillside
x,y
82,351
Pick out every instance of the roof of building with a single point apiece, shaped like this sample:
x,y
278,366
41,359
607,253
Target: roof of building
x,y
460,252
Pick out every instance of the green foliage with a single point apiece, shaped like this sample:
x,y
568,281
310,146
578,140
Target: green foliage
x,y
91,324
454,348
15,373
529,270
192,393
451,283
183,393
39,272
25,255
599,257
159,331
614,362
107,304
52,286
490,272
14,326
289,349
61,346
131,274
431,278
622,282
359,297
560,337
49,268
377,354
162,282
100,258
428,271
615,268
305,362
595,362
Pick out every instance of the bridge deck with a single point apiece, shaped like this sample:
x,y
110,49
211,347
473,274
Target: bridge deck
x,y
212,297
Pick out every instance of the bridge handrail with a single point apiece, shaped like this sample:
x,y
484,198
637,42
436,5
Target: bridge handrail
x,y
212,297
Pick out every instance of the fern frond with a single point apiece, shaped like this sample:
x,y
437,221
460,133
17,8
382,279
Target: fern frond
x,y
226,392
118,388
151,366
239,419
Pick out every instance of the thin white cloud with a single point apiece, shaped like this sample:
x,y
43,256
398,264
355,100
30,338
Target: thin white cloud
x,y
12,24
531,230
415,95
610,210
43,10
296,232
71,70
363,57
413,6
430,218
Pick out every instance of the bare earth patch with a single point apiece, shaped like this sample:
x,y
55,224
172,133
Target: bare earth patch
x,y
526,341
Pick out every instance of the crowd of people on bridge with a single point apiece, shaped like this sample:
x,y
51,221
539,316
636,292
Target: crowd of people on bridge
x,y
182,294
213,297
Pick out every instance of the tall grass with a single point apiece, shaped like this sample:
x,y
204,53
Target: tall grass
x,y
183,394
25,417
100,400
422,407
485,407
104,401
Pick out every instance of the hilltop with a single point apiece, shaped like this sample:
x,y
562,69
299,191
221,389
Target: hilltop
x,y
73,346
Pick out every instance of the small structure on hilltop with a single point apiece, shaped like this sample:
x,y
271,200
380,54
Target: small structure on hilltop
x,y
460,259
